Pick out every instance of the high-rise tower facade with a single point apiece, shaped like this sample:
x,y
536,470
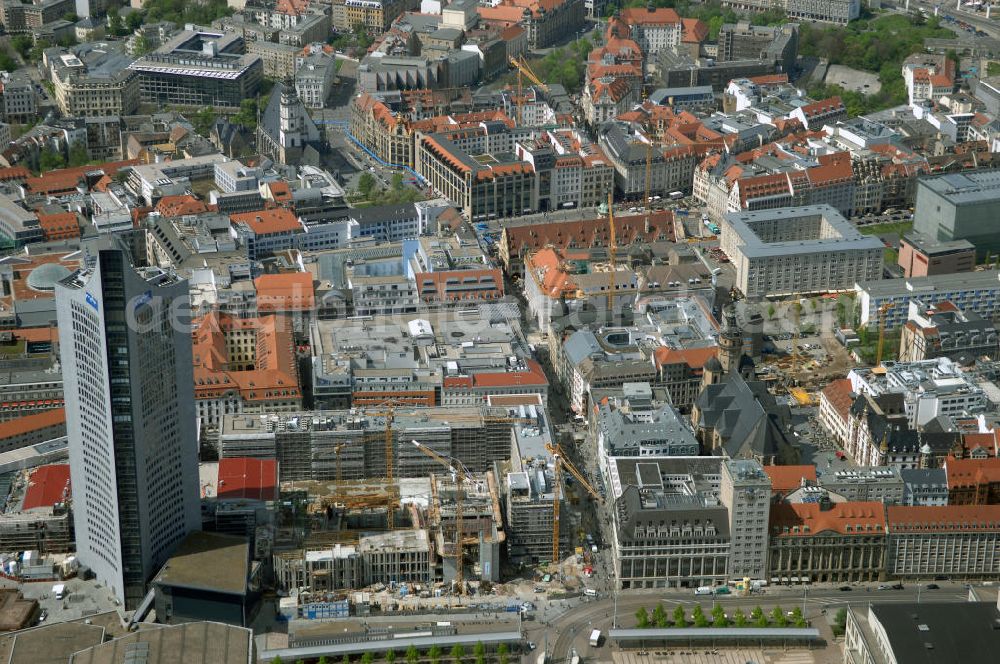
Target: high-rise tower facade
x,y
130,415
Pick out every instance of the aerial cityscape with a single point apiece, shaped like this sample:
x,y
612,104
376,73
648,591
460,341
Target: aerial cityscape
x,y
499,332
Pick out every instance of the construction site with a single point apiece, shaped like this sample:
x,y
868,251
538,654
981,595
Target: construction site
x,y
433,523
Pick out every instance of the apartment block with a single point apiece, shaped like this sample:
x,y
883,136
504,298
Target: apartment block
x,y
866,484
837,12
977,292
940,329
279,60
928,389
545,23
788,251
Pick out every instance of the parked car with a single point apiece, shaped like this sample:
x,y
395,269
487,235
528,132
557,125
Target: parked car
x,y
845,589
932,586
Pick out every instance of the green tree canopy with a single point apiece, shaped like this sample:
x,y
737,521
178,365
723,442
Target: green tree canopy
x,y
698,616
203,120
679,619
78,155
366,183
641,618
50,159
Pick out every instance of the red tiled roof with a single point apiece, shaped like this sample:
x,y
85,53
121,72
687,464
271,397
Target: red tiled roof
x,y
268,222
588,233
770,79
30,423
971,472
66,179
255,479
47,485
838,393
696,31
808,519
648,16
533,376
60,225
178,206
289,291
822,107
785,479
693,357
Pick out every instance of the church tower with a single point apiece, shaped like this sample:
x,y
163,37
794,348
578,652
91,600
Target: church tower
x,y
290,120
730,341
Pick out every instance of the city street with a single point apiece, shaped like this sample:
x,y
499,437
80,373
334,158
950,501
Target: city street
x,y
569,625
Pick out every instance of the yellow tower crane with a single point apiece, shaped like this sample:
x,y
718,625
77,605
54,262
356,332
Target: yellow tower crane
x,y
340,471
459,471
560,462
522,67
882,311
390,477
611,255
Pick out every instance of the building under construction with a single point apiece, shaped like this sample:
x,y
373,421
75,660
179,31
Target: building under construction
x,y
351,445
345,542
529,490
482,525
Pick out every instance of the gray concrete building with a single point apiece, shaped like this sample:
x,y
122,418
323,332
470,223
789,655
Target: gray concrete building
x,y
866,484
925,486
632,426
960,206
745,490
669,527
130,414
199,68
799,250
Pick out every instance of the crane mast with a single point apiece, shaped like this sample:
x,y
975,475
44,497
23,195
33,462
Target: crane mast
x,y
458,469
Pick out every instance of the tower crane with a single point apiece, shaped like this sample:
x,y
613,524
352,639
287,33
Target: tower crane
x,y
560,462
882,311
461,473
611,255
389,414
522,67
337,450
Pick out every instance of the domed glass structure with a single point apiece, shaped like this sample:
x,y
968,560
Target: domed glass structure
x,y
44,277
